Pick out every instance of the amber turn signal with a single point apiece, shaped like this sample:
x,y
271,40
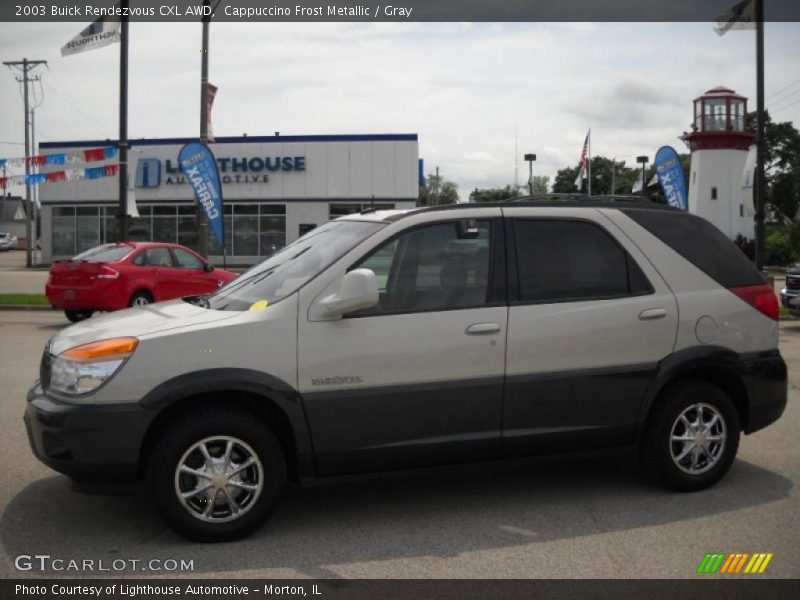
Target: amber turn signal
x,y
102,349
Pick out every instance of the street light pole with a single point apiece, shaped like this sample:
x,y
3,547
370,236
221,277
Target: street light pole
x,y
202,220
530,158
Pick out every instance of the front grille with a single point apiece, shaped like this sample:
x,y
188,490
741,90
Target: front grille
x,y
44,369
793,283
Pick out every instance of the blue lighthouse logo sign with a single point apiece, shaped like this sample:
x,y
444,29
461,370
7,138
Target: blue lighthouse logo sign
x,y
148,173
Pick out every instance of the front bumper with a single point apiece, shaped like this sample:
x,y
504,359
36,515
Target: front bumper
x,y
765,380
787,295
88,442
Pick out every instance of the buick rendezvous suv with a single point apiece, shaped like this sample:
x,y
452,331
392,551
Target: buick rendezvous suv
x,y
400,339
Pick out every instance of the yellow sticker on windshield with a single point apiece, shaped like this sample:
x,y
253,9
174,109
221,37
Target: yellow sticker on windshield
x,y
260,305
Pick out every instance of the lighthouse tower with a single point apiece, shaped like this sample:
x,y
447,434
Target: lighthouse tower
x,y
719,142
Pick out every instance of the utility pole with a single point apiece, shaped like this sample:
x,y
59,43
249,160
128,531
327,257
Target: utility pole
x,y
25,66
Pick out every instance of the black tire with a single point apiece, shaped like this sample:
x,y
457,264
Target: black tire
x,y
169,453
140,298
76,316
658,449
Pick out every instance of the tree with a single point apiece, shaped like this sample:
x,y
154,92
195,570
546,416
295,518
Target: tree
x,y
541,183
493,194
437,191
565,181
781,164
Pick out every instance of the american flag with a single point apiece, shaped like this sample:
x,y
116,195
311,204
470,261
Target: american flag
x,y
583,172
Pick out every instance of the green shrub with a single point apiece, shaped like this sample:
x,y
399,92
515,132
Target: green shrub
x,y
779,247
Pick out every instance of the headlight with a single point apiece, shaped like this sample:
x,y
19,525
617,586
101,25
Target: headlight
x,y
85,368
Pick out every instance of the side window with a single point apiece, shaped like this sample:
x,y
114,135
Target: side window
x,y
140,260
563,261
158,257
435,267
185,260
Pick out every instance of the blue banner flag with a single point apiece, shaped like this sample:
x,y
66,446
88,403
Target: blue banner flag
x,y
671,177
200,167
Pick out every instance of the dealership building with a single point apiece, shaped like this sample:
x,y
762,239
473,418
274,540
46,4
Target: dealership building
x,y
274,188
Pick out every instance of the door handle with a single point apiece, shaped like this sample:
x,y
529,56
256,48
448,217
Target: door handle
x,y
483,328
649,314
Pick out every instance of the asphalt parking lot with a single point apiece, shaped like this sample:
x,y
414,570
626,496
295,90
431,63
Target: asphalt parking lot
x,y
557,517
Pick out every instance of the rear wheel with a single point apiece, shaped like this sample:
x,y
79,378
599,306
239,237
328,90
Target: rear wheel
x,y
215,474
141,298
77,315
693,436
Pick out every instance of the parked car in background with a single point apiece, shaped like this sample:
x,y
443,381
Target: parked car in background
x,y
7,241
791,290
115,276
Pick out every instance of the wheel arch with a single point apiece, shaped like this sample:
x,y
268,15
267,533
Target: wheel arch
x,y
141,288
266,397
711,364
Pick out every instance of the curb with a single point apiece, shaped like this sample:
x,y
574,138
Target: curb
x,y
25,307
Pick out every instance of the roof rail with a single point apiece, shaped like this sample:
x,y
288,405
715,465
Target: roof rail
x,y
577,197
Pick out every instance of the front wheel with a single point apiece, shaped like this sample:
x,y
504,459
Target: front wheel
x,y
215,474
74,316
693,436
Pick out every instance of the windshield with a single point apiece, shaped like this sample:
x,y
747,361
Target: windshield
x,y
285,272
105,253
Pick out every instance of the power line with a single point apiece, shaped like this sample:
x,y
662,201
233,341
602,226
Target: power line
x,y
785,98
773,96
64,96
787,106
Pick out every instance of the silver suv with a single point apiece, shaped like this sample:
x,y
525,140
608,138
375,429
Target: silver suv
x,y
401,339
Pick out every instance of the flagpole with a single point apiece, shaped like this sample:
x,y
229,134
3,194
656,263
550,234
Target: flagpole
x,y
123,124
589,163
760,183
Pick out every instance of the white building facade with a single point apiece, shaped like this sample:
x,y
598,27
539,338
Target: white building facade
x,y
719,143
274,188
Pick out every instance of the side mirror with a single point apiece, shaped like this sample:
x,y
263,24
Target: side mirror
x,y
358,290
208,267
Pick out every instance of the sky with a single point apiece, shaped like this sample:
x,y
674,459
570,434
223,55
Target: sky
x,y
471,91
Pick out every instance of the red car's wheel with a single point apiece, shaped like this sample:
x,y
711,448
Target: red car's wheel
x,y
140,298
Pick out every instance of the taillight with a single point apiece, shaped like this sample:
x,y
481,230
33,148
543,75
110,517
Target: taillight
x,y
107,273
761,297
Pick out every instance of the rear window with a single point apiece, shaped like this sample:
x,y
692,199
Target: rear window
x,y
702,244
105,253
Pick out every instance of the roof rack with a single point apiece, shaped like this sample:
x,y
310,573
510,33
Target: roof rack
x,y
576,197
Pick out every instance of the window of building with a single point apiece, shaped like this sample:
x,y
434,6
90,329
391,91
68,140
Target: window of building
x,y
737,115
715,115
436,267
713,193
250,229
566,261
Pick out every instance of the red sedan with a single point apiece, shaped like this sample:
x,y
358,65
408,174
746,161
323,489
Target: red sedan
x,y
115,276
